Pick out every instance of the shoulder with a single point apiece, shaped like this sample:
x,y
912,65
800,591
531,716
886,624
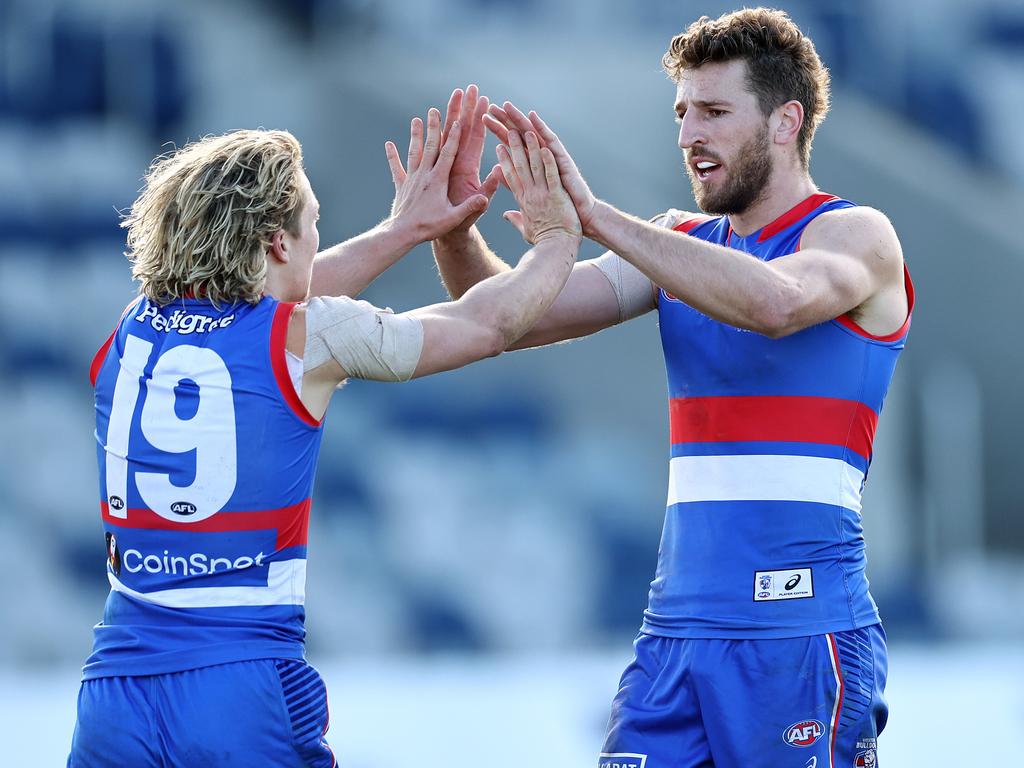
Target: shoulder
x,y
862,232
859,221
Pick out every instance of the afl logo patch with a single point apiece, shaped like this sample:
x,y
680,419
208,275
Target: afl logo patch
x,y
183,508
804,733
115,502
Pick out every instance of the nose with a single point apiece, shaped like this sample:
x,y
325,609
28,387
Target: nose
x,y
690,134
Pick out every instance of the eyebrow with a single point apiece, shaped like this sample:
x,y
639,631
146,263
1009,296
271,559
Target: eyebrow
x,y
704,103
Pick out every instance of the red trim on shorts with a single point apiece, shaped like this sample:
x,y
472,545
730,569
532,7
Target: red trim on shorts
x,y
793,215
781,418
291,523
278,342
847,322
101,354
834,725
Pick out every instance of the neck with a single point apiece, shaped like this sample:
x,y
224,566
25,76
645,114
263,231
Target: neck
x,y
783,192
276,284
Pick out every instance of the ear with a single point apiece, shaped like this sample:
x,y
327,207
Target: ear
x,y
790,118
278,250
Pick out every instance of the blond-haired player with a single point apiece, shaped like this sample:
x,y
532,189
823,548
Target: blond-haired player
x,y
209,399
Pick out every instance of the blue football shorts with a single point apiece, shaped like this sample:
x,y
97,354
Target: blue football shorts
x,y
263,712
805,702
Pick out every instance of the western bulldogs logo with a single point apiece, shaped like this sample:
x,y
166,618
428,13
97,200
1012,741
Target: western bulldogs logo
x,y
804,733
866,759
113,554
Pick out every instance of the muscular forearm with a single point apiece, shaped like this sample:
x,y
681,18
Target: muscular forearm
x,y
512,301
464,260
726,284
348,268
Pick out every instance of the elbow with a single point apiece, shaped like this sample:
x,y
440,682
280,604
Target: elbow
x,y
495,341
778,315
773,325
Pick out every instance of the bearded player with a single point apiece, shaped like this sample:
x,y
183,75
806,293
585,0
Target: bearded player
x,y
782,311
210,396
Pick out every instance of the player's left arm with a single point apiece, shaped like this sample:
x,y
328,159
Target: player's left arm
x,y
850,260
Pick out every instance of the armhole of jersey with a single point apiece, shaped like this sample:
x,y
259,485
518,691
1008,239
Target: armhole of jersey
x,y
688,225
278,361
850,324
101,354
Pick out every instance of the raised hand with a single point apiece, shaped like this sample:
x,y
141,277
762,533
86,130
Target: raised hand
x,y
468,108
502,121
545,209
421,205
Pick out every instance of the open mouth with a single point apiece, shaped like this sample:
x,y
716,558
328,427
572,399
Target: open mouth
x,y
705,168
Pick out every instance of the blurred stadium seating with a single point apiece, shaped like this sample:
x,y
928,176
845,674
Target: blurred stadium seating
x,y
515,506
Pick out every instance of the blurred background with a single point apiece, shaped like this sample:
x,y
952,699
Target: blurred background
x,y
482,541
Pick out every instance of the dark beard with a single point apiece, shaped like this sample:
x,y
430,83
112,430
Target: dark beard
x,y
747,181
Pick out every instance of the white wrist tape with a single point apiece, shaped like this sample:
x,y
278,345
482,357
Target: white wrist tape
x,y
636,293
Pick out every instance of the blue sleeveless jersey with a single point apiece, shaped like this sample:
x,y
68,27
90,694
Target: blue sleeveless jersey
x,y
206,464
770,447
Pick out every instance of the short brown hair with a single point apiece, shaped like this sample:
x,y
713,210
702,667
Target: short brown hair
x,y
782,64
203,222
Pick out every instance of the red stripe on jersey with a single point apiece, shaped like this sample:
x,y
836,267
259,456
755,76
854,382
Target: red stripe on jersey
x,y
793,215
847,322
824,420
291,523
278,341
101,355
689,225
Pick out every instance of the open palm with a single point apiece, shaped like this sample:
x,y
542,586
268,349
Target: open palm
x,y
468,108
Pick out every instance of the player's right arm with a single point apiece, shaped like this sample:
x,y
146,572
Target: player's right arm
x,y
598,294
340,338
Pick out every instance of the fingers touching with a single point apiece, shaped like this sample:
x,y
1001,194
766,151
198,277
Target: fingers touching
x,y
446,154
453,112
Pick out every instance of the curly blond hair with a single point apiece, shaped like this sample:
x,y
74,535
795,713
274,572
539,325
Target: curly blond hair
x,y
782,64
206,215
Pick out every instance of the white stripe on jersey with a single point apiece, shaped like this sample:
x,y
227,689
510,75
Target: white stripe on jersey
x,y
765,478
286,585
